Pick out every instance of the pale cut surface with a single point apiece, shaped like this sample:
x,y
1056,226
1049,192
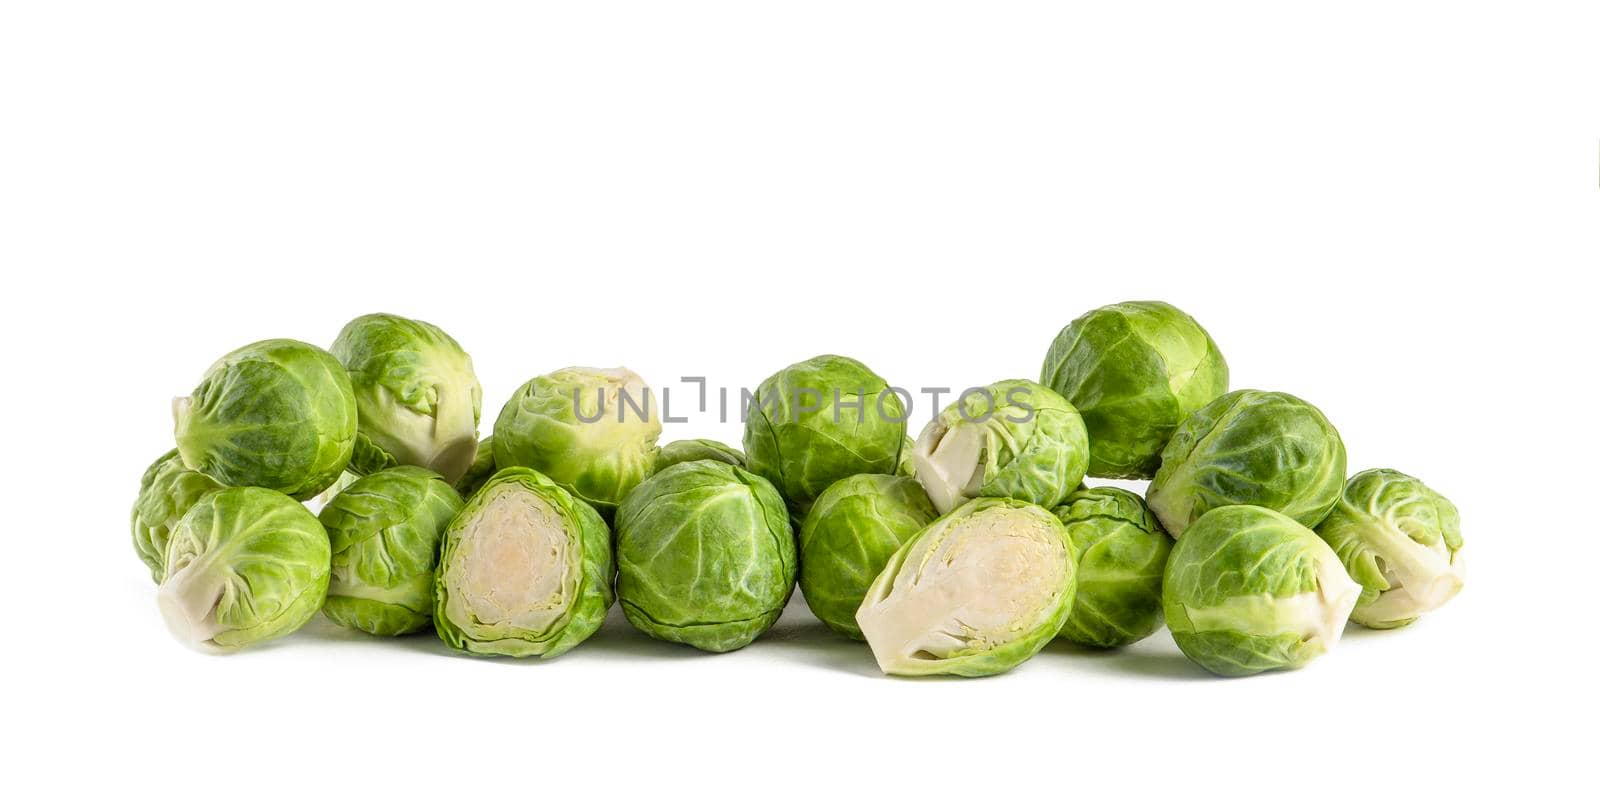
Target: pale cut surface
x,y
978,587
1317,617
188,601
1420,579
512,566
948,463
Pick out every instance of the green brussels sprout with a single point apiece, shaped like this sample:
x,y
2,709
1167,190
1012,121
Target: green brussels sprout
x,y
1122,553
244,565
276,414
417,396
852,530
384,531
592,431
977,592
817,421
1401,541
1134,371
1012,439
1265,449
906,467
525,570
698,450
705,556
166,492
1248,589
481,470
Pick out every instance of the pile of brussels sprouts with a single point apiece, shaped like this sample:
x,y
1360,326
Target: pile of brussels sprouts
x,y
964,551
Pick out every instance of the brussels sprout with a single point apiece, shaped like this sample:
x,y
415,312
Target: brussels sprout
x,y
1011,439
977,592
1134,370
1401,541
416,394
167,491
525,570
384,531
244,565
1265,449
906,466
1248,589
482,469
705,556
698,450
277,414
817,421
592,431
1122,553
849,534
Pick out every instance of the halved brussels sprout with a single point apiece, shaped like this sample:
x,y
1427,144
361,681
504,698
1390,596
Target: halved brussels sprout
x,y
244,565
384,530
1248,589
1134,371
977,592
166,492
277,414
416,394
698,450
852,530
1401,541
817,421
592,431
1266,449
525,570
1012,439
482,469
1122,553
705,556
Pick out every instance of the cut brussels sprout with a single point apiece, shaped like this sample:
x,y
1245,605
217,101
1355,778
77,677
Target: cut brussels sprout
x,y
1134,371
166,492
384,531
1265,449
817,421
1012,439
1122,553
977,592
698,450
276,414
525,569
705,556
852,530
1248,589
416,394
1401,541
482,469
244,565
592,431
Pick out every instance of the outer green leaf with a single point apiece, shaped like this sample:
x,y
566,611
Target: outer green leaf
x,y
525,569
851,532
705,556
1265,449
384,530
278,414
977,592
1135,371
244,565
698,450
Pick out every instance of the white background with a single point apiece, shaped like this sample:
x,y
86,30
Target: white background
x,y
1387,208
